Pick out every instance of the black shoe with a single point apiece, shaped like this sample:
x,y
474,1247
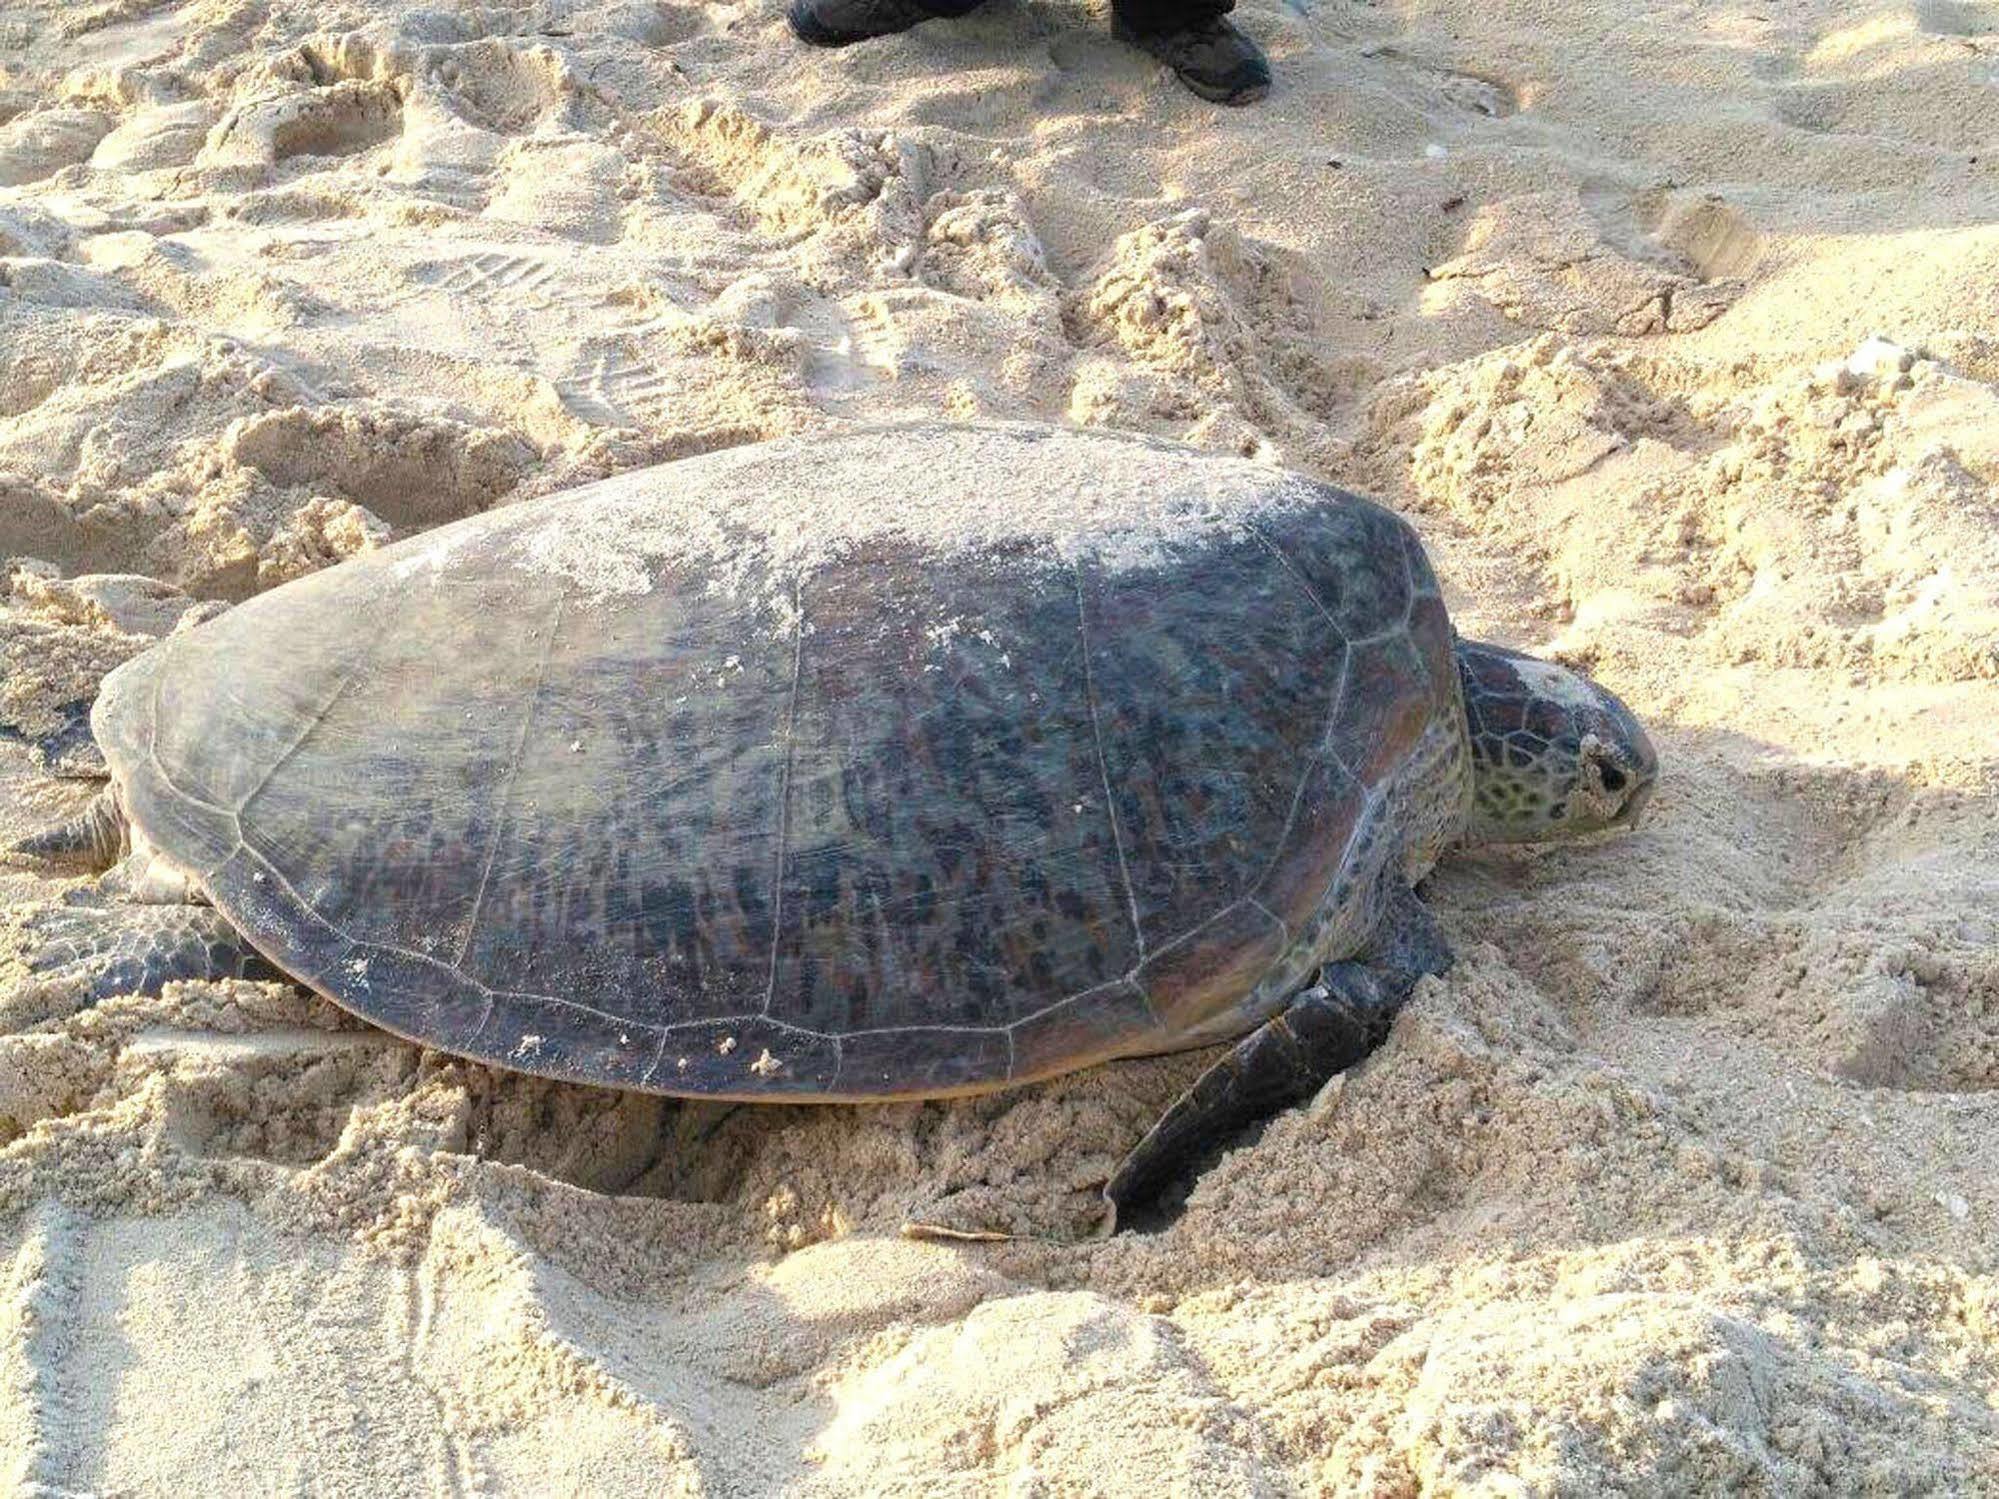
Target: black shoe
x,y
1213,58
839,23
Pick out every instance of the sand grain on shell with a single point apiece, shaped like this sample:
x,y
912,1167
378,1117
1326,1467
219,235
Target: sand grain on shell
x,y
1670,328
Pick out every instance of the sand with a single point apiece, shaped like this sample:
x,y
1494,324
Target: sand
x,y
1674,329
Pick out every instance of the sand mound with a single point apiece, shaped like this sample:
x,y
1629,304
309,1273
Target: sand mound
x,y
1670,328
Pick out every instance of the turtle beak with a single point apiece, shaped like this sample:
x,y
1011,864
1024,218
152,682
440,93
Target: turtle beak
x,y
1626,765
1641,773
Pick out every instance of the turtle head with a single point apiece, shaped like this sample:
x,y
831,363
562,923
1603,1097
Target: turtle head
x,y
1553,754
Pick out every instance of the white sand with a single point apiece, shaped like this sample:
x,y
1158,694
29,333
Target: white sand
x,y
1687,1177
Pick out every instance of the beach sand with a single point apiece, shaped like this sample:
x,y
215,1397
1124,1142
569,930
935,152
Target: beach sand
x,y
1673,326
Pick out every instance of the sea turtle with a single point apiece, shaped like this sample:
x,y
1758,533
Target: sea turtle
x,y
909,762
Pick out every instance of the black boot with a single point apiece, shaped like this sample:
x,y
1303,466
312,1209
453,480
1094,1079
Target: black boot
x,y
1213,58
839,23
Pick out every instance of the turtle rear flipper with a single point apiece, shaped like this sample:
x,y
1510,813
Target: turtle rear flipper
x,y
137,949
92,841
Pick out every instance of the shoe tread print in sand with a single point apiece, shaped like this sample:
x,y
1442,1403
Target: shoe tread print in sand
x,y
876,811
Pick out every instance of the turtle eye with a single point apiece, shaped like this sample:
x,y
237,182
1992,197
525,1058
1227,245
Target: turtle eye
x,y
1613,778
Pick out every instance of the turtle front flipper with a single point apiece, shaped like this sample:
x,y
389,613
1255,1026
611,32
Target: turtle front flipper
x,y
1327,1028
136,949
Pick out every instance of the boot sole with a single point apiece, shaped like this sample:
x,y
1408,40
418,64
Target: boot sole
x,y
1213,93
807,29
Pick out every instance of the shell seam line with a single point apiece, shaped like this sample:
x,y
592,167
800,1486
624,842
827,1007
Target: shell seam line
x,y
1283,926
1103,764
506,800
1298,796
1299,578
319,717
352,676
153,750
784,793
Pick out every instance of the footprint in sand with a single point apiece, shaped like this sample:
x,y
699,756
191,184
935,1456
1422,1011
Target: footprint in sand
x,y
610,385
1474,93
342,119
494,273
1559,261
502,87
1712,236
1895,81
